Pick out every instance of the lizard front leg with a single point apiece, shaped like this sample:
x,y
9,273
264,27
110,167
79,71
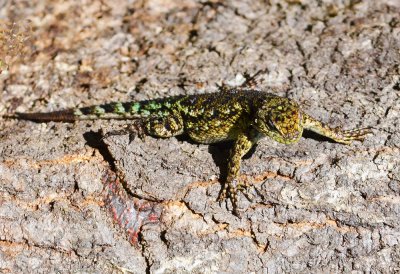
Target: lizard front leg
x,y
242,145
336,134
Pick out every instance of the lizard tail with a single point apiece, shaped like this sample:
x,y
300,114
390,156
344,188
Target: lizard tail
x,y
56,116
105,111
127,110
116,110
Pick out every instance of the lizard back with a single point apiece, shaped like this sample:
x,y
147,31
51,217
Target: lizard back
x,y
214,117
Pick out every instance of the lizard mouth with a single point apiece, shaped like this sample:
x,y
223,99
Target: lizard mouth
x,y
286,138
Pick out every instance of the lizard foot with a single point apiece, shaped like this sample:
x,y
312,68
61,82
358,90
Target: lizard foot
x,y
230,191
347,136
134,130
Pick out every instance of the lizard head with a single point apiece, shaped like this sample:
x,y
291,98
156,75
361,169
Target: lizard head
x,y
280,119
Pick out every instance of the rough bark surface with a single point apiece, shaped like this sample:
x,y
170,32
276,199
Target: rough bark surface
x,y
322,207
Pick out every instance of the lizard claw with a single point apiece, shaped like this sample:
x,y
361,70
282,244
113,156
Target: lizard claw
x,y
223,193
227,192
115,133
246,193
245,187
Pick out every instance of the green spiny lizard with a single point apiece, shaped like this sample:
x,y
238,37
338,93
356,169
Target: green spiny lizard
x,y
241,115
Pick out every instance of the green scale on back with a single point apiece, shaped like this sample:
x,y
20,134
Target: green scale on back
x,y
241,115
